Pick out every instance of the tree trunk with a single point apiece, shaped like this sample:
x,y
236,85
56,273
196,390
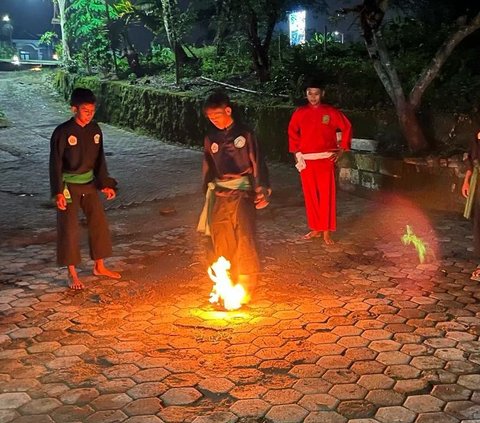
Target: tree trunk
x,y
410,127
259,50
65,48
261,62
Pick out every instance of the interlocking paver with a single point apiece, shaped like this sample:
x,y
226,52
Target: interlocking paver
x,y
451,392
250,408
423,403
315,402
348,391
143,406
354,409
376,381
13,400
395,415
290,413
436,418
181,396
325,417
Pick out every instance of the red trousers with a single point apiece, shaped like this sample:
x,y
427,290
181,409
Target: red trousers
x,y
318,183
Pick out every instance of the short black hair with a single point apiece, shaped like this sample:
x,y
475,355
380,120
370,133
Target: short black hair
x,y
82,96
218,98
313,82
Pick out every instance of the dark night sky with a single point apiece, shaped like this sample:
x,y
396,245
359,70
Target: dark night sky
x,y
28,16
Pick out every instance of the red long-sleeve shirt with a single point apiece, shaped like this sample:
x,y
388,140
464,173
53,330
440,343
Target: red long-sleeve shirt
x,y
313,129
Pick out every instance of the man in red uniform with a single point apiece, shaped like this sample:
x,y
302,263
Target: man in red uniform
x,y
318,134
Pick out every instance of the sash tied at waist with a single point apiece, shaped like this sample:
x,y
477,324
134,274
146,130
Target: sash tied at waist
x,y
75,178
303,157
204,223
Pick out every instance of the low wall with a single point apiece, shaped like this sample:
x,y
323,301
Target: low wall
x,y
431,182
177,117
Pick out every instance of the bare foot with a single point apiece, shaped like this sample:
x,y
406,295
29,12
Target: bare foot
x,y
103,271
74,281
326,237
312,234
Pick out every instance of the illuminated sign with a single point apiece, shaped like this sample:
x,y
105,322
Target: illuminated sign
x,y
297,25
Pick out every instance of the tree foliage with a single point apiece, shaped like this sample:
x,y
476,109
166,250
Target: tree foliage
x,y
407,103
87,29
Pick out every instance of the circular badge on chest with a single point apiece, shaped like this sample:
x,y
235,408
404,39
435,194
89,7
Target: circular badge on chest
x,y
214,148
239,142
72,140
96,139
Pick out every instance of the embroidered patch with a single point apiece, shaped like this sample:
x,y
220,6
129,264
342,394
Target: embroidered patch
x,y
214,148
72,140
326,119
239,142
96,139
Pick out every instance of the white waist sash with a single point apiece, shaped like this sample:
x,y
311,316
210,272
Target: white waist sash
x,y
301,158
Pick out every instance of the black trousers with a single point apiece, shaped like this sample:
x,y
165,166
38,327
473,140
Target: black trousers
x,y
233,230
84,197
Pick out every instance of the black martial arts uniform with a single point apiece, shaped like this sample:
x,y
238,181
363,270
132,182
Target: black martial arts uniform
x,y
76,150
229,155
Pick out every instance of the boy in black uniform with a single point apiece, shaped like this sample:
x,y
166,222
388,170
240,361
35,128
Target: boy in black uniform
x,y
236,181
77,169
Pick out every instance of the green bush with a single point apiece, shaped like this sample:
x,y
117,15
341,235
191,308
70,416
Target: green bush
x,y
7,52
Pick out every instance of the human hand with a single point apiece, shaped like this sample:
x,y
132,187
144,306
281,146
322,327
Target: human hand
x,y
336,155
466,189
109,193
61,202
262,197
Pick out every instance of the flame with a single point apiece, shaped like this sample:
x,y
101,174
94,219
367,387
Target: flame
x,y
232,296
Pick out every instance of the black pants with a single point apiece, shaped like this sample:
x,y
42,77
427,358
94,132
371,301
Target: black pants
x,y
233,231
84,197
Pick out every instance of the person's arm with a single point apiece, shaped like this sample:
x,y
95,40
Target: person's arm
x,y
466,183
57,147
207,172
261,177
102,179
294,133
345,127
468,174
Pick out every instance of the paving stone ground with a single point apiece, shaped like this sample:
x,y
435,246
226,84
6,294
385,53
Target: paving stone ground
x,y
357,332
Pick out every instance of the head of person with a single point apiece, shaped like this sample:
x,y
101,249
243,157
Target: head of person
x,y
314,91
218,109
83,103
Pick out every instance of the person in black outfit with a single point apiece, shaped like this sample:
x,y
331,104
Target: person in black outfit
x,y
77,170
236,180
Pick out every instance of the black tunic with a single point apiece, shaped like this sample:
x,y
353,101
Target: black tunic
x,y
76,149
232,153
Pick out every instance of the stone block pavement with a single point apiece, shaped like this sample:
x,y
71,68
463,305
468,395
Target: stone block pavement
x,y
359,332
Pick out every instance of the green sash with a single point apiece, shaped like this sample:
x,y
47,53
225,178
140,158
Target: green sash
x,y
75,178
204,222
471,193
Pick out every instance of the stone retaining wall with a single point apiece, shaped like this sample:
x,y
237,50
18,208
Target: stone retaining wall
x,y
431,182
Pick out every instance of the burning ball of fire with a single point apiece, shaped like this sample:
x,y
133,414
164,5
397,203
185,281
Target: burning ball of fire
x,y
224,291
